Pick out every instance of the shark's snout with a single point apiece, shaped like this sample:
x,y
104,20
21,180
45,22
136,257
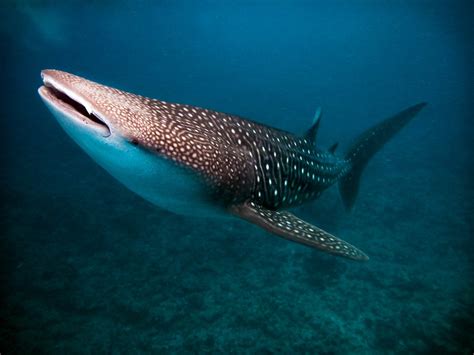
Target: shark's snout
x,y
63,93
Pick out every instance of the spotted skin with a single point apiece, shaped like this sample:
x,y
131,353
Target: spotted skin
x,y
240,159
246,167
288,226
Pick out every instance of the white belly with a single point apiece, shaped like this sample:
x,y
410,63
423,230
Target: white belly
x,y
155,179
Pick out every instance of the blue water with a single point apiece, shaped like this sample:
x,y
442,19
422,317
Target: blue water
x,y
89,267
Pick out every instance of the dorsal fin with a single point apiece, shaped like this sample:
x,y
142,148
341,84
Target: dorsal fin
x,y
332,149
311,133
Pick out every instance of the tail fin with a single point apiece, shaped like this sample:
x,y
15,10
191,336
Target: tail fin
x,y
366,145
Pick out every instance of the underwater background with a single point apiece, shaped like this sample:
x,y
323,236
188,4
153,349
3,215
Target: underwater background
x,y
89,267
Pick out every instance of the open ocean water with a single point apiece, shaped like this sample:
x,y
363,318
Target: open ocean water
x,y
88,267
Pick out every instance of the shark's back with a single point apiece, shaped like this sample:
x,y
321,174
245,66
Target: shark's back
x,y
243,159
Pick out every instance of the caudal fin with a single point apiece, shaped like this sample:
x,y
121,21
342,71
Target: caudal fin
x,y
366,145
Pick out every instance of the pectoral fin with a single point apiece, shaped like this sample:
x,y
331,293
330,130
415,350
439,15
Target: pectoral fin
x,y
288,226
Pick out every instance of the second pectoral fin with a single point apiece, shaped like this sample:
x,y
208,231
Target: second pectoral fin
x,y
288,226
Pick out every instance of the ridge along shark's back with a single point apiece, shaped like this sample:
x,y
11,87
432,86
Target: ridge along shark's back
x,y
196,161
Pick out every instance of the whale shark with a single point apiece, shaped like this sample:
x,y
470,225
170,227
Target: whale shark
x,y
196,161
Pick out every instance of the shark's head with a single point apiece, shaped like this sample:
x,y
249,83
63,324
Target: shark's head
x,y
89,111
121,132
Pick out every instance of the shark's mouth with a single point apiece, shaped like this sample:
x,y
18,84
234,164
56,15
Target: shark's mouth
x,y
74,106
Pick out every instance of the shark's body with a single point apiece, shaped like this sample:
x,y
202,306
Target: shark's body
x,y
191,160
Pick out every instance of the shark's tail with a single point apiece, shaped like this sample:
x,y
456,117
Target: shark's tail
x,y
366,145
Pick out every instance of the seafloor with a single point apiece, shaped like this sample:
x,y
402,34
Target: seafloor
x,y
90,267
